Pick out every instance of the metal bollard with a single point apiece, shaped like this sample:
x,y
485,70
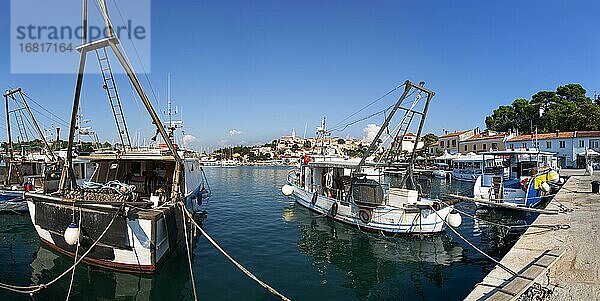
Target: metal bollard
x,y
595,186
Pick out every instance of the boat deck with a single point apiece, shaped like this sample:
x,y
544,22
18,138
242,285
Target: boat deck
x,y
560,263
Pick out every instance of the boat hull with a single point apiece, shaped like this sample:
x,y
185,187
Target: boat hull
x,y
387,220
12,201
135,242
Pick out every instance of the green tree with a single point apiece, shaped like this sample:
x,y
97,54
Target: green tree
x,y
430,139
306,144
341,141
566,109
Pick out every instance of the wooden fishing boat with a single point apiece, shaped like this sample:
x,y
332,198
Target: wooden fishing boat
x,y
25,171
381,197
130,215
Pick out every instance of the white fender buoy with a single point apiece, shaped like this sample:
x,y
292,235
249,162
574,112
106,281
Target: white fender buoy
x,y
454,220
287,190
545,187
72,234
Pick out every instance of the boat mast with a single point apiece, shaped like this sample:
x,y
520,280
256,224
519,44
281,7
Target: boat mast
x,y
9,133
407,87
48,150
322,131
373,145
112,41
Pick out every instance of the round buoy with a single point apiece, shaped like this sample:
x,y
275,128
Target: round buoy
x,y
72,234
454,220
287,190
545,187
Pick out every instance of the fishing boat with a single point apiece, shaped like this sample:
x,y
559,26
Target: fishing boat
x,y
467,168
24,171
524,177
377,196
132,213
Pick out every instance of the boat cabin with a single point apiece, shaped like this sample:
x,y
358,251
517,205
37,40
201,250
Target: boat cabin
x,y
518,163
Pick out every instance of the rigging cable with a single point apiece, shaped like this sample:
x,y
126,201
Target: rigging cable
x,y
368,105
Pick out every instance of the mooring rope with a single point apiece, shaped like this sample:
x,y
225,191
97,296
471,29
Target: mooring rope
x,y
473,246
187,246
237,264
36,288
544,226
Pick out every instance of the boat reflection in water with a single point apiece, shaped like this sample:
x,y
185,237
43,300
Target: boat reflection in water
x,y
100,284
370,259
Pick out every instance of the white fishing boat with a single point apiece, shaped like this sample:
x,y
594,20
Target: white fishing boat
x,y
24,171
132,214
523,177
467,168
380,197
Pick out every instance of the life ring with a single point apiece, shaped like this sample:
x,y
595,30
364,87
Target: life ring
x,y
334,209
524,184
314,198
365,215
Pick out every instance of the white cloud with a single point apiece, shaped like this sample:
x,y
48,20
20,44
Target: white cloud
x,y
187,139
222,142
234,132
371,131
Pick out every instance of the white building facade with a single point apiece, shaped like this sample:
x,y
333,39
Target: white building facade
x,y
570,147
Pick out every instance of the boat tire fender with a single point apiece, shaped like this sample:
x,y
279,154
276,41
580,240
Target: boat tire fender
x,y
334,209
365,215
314,198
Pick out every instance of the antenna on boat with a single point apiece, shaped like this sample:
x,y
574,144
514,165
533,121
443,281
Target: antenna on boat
x,y
322,133
111,41
172,125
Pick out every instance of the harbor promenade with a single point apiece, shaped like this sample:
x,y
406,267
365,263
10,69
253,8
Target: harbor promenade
x,y
557,259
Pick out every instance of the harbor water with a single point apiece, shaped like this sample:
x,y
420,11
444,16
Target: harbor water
x,y
300,253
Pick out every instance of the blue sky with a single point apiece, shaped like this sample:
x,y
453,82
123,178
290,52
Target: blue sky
x,y
265,67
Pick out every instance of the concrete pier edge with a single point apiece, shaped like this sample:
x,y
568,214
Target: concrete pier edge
x,y
553,264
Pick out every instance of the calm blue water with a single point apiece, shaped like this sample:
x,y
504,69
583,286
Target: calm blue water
x,y
301,254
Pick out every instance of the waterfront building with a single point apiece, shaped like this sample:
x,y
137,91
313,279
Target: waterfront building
x,y
570,147
407,143
449,142
483,142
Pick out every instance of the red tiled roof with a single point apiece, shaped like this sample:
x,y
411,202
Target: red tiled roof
x,y
453,134
485,137
557,135
410,134
587,134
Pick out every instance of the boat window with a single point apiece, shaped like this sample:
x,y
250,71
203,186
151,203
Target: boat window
x,y
477,165
367,192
